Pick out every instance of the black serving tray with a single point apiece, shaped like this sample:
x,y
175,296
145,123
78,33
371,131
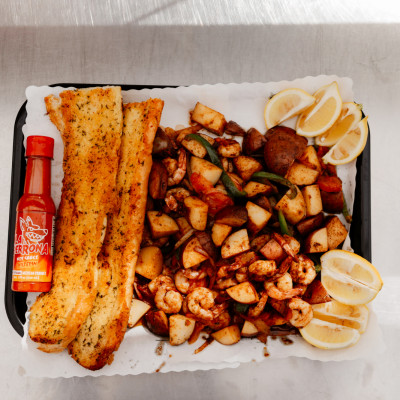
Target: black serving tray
x,y
15,302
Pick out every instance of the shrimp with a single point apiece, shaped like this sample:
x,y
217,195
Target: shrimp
x,y
221,321
176,175
301,312
303,270
200,303
185,284
255,311
161,282
225,283
175,196
168,300
242,274
285,245
282,289
261,269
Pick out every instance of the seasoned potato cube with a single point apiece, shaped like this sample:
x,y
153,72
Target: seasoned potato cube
x,y
161,224
312,198
337,232
206,169
299,174
317,242
137,310
219,233
150,262
249,329
310,159
182,133
184,227
194,147
180,329
208,138
253,142
246,166
157,322
196,212
235,244
294,210
310,224
229,148
232,215
258,217
243,293
190,257
210,119
227,336
234,129
254,189
272,250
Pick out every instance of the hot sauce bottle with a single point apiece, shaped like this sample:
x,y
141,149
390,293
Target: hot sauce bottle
x,y
34,230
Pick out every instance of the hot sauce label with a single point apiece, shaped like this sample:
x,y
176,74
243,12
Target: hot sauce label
x,y
33,247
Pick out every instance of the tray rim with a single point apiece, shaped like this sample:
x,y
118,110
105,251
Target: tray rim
x,y
15,302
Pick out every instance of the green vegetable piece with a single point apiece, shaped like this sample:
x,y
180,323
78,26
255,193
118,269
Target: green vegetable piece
x,y
278,179
240,308
346,212
226,180
282,223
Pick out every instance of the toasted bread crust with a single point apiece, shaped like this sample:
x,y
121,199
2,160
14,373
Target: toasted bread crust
x,y
90,123
104,329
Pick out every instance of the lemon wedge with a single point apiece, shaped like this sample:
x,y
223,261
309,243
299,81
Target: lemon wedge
x,y
348,119
320,116
349,278
328,335
350,146
285,105
355,317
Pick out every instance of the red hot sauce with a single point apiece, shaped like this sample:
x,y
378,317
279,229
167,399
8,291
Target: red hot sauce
x,y
34,230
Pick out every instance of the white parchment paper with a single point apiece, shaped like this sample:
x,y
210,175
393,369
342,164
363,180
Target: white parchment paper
x,y
140,351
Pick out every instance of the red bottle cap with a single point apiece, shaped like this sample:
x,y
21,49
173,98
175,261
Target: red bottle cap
x,y
41,146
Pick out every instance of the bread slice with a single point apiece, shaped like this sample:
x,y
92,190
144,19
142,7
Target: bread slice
x,y
90,123
104,329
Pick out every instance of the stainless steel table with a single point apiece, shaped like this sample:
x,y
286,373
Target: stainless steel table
x,y
186,42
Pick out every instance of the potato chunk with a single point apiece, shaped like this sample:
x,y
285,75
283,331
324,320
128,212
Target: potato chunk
x,y
310,158
294,210
196,212
312,198
161,224
206,169
235,244
258,217
180,329
317,242
227,336
253,189
246,166
219,233
190,257
208,118
337,232
243,293
137,310
150,262
300,174
249,329
232,215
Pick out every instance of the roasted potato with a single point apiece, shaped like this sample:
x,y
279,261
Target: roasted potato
x,y
294,210
158,180
243,293
257,217
272,250
282,148
209,119
299,174
196,212
337,232
206,169
227,336
194,147
150,262
249,330
219,233
310,224
253,142
161,224
189,256
234,129
312,198
157,322
229,148
317,242
235,244
310,159
316,293
246,166
180,329
137,310
254,189
234,216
